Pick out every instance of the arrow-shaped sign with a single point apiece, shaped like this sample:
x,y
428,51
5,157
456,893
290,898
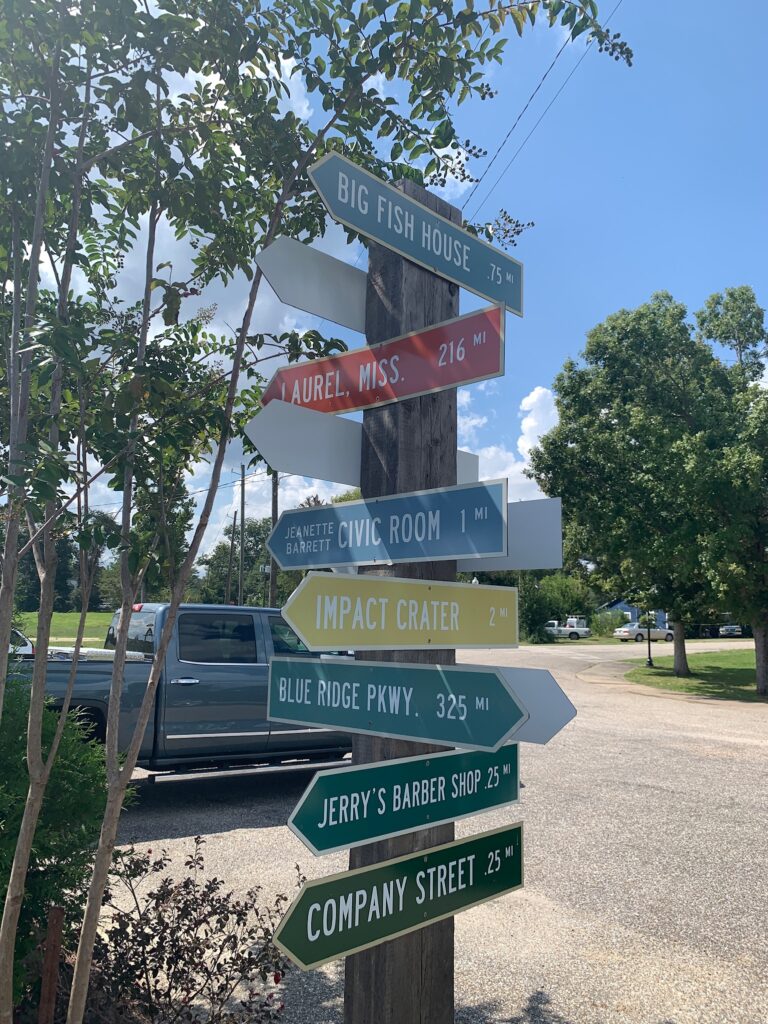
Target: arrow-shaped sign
x,y
470,706
421,526
353,910
370,206
313,281
347,807
460,351
310,443
378,613
534,539
549,710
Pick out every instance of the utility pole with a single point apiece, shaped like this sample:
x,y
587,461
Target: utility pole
x,y
242,534
407,446
273,563
231,558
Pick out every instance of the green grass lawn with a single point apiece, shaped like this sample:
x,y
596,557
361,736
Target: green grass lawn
x,y
64,627
729,675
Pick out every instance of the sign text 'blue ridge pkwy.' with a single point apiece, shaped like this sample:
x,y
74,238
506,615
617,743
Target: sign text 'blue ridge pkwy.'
x,y
469,706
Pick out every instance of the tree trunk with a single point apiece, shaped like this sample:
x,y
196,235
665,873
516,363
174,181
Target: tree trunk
x,y
407,446
681,658
760,633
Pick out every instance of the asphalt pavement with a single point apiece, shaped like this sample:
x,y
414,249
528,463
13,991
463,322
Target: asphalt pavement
x,y
646,859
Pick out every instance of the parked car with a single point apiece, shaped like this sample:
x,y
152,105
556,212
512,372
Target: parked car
x,y
211,703
634,631
574,628
21,646
730,630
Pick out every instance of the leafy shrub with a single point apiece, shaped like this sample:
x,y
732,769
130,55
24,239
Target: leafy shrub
x,y
185,951
604,623
67,830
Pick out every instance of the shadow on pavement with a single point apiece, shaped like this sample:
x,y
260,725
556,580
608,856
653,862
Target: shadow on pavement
x,y
538,1010
175,810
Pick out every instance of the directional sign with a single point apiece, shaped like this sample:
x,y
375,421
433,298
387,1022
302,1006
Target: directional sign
x,y
422,526
549,710
460,351
315,282
469,706
348,807
534,539
353,910
367,204
309,443
380,613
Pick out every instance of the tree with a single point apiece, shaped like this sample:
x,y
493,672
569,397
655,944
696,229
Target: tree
x,y
734,319
255,582
620,457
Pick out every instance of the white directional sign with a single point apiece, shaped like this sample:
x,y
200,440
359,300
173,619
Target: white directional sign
x,y
534,539
313,281
309,443
549,709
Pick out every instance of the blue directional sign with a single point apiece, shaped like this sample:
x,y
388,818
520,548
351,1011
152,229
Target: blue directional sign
x,y
422,526
369,205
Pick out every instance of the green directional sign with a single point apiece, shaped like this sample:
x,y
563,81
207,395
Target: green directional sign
x,y
469,706
347,807
353,910
367,204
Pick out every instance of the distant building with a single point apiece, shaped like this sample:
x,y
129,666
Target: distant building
x,y
633,613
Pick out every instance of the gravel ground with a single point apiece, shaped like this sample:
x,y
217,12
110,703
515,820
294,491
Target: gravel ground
x,y
646,864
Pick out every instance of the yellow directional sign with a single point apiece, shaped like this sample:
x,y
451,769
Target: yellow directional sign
x,y
379,613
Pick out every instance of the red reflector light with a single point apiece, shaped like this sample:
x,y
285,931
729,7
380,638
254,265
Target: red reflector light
x,y
137,607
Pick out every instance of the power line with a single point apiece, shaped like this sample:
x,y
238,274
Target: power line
x,y
541,118
503,142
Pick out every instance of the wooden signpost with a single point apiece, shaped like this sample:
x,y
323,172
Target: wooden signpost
x,y
394,808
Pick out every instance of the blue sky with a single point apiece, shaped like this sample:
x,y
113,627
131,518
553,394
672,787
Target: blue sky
x,y
638,179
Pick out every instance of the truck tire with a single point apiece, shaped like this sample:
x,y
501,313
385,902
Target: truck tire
x,y
573,636
669,638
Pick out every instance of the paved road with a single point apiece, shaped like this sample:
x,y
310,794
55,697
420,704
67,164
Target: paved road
x,y
646,890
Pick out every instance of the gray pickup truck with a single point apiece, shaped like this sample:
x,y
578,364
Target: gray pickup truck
x,y
211,704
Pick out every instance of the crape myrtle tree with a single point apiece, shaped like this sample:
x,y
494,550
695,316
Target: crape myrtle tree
x,y
121,121
645,395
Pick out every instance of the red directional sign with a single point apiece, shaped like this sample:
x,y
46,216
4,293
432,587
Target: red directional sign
x,y
466,349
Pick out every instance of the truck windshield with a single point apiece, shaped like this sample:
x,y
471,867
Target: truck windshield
x,y
141,632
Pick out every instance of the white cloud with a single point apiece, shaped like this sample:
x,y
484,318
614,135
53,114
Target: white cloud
x,y
463,398
298,98
541,416
537,415
468,426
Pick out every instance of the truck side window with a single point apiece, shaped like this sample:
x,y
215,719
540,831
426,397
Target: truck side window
x,y
284,640
140,632
217,638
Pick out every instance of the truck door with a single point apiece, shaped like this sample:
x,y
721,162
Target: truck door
x,y
215,693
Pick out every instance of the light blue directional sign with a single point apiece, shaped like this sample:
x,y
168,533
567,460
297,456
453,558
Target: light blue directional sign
x,y
466,521
468,706
367,204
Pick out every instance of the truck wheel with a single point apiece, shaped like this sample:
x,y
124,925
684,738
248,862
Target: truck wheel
x,y
639,638
669,637
573,636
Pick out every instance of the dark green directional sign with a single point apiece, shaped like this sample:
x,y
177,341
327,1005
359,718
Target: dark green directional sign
x,y
353,910
468,706
351,806
367,204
